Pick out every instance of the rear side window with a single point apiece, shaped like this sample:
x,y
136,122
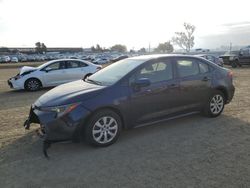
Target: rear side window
x,y
81,64
72,64
76,64
204,68
187,68
210,58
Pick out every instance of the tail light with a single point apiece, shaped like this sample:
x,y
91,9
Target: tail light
x,y
230,74
98,68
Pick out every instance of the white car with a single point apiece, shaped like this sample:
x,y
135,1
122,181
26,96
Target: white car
x,y
14,60
6,59
52,73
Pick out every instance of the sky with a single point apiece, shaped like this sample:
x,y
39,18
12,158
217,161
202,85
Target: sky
x,y
134,23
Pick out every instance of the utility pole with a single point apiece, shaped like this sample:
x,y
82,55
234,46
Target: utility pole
x,y
230,47
149,48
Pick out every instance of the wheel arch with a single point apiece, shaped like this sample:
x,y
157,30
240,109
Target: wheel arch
x,y
116,110
32,78
87,75
224,91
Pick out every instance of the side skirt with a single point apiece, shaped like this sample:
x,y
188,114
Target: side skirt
x,y
166,119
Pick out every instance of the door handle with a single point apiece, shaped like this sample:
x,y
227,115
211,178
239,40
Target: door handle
x,y
205,79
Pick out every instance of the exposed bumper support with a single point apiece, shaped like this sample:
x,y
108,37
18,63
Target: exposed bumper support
x,y
46,146
53,129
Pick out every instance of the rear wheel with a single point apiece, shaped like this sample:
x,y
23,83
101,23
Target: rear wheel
x,y
215,105
32,84
103,128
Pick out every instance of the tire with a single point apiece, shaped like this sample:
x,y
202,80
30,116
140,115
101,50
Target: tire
x,y
103,128
234,64
86,76
32,84
237,62
215,104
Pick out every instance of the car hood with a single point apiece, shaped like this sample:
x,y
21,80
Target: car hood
x,y
27,69
69,93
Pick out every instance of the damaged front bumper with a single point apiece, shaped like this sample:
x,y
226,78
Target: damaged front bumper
x,y
55,129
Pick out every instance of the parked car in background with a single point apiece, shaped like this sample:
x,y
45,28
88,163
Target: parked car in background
x,y
119,58
237,58
215,60
101,61
52,73
6,59
22,58
132,92
14,59
1,59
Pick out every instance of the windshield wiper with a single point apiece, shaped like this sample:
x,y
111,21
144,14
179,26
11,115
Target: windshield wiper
x,y
93,81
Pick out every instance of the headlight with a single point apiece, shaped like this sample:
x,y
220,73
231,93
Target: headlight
x,y
60,110
231,58
18,77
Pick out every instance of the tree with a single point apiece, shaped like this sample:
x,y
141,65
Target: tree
x,y
166,47
98,48
142,50
43,48
185,39
119,48
92,49
40,47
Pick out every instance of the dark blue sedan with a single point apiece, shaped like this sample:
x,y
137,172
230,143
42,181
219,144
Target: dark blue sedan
x,y
132,92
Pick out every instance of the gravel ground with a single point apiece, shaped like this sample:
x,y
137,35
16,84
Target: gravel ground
x,y
189,152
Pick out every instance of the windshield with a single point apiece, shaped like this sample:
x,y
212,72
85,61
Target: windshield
x,y
114,72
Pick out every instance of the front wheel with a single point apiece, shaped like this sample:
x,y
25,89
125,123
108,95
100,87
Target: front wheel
x,y
32,84
103,128
234,64
215,105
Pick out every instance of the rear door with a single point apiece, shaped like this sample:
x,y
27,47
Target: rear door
x,y
76,70
195,82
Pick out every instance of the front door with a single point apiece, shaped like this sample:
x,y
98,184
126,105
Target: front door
x,y
55,74
159,98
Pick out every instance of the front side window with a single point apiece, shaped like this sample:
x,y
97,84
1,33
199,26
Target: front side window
x,y
187,68
210,58
156,72
55,66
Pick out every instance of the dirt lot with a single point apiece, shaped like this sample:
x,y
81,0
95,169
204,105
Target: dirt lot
x,y
189,152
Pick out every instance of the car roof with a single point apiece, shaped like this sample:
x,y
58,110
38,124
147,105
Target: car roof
x,y
156,56
66,59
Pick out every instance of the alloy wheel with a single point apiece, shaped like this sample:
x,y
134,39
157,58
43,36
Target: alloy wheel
x,y
105,129
216,104
33,85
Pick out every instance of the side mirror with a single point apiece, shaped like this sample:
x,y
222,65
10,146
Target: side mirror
x,y
241,53
47,69
142,82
